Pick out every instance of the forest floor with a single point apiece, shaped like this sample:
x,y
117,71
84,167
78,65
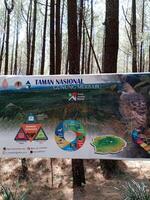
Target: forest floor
x,y
40,184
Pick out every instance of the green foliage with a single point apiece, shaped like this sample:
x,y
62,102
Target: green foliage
x,y
8,194
134,191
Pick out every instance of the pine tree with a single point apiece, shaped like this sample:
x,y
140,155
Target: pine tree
x,y
111,167
74,68
9,8
111,41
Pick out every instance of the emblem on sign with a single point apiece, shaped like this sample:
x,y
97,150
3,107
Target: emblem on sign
x,y
5,84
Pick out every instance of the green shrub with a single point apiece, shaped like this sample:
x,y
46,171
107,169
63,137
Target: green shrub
x,y
7,193
134,191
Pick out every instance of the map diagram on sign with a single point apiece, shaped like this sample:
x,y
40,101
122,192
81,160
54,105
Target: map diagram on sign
x,y
31,130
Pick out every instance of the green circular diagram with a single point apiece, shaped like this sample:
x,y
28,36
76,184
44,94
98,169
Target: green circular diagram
x,y
108,144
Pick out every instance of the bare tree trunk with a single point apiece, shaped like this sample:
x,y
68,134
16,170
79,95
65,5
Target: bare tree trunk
x,y
33,38
28,36
58,38
143,64
9,9
111,41
44,40
83,53
7,45
78,172
127,63
12,57
92,61
52,38
142,31
73,38
134,37
29,40
20,63
81,16
149,58
24,171
74,68
3,44
67,65
91,38
86,52
111,167
92,48
138,58
16,49
61,25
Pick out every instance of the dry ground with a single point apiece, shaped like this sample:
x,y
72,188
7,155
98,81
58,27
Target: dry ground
x,y
40,179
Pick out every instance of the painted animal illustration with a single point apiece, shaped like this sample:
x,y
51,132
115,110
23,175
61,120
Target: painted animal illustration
x,y
133,107
134,111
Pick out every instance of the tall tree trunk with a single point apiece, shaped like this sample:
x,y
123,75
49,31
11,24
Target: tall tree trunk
x,y
52,37
16,49
143,65
20,63
33,38
2,44
111,167
81,16
138,57
61,25
73,38
7,44
92,48
134,37
83,52
28,36
127,62
142,31
149,59
66,65
92,61
78,172
111,41
44,40
73,56
12,56
9,9
86,53
91,37
24,171
58,37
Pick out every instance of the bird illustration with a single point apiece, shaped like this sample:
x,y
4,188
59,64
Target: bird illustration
x,y
133,107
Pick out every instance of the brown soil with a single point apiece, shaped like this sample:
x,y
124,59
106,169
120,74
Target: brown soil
x,y
40,179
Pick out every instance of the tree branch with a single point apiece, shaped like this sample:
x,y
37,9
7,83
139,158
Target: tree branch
x,y
22,12
125,15
84,23
9,8
129,37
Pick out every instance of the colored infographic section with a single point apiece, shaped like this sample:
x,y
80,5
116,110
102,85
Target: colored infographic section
x,y
70,126
140,139
108,144
31,130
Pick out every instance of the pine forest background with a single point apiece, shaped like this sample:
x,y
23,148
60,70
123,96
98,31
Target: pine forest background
x,y
35,35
